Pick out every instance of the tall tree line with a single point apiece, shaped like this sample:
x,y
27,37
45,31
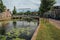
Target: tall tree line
x,y
45,6
14,11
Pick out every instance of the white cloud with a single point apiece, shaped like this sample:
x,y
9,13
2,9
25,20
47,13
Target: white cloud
x,y
35,1
21,4
33,4
57,3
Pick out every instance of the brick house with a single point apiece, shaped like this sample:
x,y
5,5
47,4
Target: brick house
x,y
5,15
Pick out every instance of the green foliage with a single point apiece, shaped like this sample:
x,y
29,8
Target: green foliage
x,y
20,13
18,39
45,6
14,10
2,37
28,13
2,7
15,33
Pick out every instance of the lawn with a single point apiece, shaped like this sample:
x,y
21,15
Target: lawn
x,y
48,31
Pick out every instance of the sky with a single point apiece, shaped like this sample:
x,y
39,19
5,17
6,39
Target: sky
x,y
32,4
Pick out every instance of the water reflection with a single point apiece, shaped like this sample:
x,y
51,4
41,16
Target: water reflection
x,y
14,24
19,29
3,28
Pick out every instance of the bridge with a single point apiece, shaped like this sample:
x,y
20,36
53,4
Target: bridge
x,y
25,16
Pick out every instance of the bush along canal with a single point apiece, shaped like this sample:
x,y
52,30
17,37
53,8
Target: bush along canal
x,y
17,30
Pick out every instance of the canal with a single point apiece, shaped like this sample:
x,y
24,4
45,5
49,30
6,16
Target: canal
x,y
17,30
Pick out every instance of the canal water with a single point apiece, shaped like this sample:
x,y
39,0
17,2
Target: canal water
x,y
17,30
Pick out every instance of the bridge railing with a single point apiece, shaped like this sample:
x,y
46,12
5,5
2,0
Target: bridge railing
x,y
24,16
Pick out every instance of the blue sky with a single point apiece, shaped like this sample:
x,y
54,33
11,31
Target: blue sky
x,y
57,2
33,4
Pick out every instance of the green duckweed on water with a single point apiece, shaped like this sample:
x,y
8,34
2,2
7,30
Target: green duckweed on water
x,y
14,34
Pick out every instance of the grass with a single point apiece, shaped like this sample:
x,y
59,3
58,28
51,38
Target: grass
x,y
48,31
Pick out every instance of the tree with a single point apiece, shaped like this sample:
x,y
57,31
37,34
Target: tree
x,y
14,10
2,7
45,6
28,12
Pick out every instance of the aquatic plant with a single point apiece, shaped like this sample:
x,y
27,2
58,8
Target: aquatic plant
x,y
16,34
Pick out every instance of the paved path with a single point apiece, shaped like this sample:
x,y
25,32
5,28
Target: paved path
x,y
55,22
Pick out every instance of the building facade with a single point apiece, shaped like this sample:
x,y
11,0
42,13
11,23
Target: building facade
x,y
55,12
5,15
